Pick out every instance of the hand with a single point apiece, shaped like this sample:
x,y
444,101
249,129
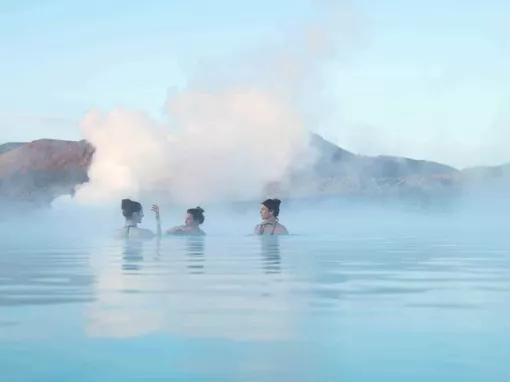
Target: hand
x,y
155,209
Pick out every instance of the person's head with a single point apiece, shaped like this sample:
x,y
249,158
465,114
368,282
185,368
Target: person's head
x,y
132,210
270,208
194,217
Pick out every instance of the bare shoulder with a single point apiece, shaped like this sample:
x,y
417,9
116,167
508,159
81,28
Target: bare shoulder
x,y
134,233
147,233
143,233
121,233
281,229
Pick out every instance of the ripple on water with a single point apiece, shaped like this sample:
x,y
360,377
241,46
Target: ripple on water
x,y
284,306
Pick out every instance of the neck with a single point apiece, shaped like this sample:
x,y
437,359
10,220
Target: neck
x,y
271,219
130,223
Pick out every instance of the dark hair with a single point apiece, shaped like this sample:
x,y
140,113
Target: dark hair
x,y
129,207
273,205
197,213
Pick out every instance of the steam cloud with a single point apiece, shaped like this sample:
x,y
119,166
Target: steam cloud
x,y
224,141
220,146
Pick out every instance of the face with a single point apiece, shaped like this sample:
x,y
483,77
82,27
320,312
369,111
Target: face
x,y
265,213
137,216
189,220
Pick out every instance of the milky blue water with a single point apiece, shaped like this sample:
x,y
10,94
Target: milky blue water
x,y
376,305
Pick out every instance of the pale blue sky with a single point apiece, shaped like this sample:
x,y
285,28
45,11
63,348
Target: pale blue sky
x,y
426,79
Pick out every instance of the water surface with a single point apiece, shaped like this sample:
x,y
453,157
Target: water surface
x,y
382,305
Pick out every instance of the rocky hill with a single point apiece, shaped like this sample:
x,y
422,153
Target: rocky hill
x,y
339,172
39,171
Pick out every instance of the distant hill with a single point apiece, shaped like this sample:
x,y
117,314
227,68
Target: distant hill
x,y
39,171
488,172
338,171
10,146
495,178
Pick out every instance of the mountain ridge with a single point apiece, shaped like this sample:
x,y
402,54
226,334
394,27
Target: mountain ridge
x,y
41,170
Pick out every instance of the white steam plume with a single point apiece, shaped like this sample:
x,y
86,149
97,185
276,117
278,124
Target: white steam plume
x,y
220,146
227,140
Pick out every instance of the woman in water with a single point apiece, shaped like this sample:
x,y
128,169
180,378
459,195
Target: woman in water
x,y
269,211
133,212
194,217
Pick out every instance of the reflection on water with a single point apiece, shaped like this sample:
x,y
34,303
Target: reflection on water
x,y
195,252
270,249
132,255
281,308
178,294
44,276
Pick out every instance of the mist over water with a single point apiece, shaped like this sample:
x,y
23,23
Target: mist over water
x,y
66,220
362,289
395,286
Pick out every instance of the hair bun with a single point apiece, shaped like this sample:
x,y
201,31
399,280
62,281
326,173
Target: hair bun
x,y
273,205
197,213
129,206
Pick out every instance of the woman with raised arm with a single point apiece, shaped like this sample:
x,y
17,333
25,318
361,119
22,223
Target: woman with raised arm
x,y
191,227
133,213
269,211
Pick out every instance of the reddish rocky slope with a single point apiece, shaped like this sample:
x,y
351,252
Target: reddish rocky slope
x,y
39,171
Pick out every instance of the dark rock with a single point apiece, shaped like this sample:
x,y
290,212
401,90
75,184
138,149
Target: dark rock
x,y
39,171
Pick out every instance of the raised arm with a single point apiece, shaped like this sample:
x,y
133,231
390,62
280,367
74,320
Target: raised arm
x,y
155,209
